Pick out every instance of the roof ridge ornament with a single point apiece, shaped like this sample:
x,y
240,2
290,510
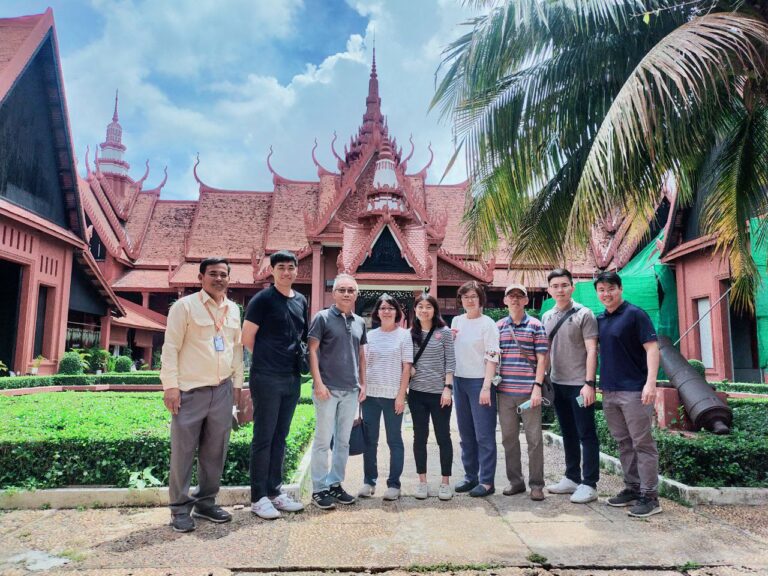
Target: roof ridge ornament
x,y
87,163
146,173
321,171
194,170
423,171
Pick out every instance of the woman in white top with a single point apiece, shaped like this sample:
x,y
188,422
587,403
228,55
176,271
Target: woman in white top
x,y
476,341
389,355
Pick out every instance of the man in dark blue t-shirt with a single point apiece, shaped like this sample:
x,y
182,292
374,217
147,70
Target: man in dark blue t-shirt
x,y
275,323
629,361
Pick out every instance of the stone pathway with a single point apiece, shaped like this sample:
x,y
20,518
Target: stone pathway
x,y
498,536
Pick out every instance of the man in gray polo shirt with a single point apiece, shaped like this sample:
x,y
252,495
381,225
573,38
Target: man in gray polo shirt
x,y
337,363
573,365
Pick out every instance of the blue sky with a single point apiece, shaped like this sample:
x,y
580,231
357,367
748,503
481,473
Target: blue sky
x,y
230,78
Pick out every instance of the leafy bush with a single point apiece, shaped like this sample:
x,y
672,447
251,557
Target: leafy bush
x,y
98,359
71,363
698,365
123,364
70,438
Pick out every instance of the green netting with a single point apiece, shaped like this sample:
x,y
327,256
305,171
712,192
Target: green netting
x,y
759,248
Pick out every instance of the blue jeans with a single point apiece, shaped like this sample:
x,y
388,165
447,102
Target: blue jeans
x,y
373,409
579,434
333,419
477,430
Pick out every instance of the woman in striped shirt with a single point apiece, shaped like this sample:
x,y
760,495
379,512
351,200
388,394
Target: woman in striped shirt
x,y
430,391
389,354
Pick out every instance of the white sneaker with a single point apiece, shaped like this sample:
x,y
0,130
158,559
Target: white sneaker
x,y
565,486
265,509
584,494
422,491
366,491
445,492
392,493
287,504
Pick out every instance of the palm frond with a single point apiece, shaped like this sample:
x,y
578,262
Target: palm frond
x,y
654,114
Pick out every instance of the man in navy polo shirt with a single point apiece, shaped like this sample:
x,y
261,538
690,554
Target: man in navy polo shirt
x,y
629,361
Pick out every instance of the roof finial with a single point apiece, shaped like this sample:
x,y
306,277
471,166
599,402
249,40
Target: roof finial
x,y
114,116
373,66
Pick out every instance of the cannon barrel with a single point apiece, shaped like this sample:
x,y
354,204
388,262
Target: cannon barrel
x,y
701,403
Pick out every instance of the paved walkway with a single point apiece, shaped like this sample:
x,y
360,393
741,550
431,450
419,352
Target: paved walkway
x,y
498,536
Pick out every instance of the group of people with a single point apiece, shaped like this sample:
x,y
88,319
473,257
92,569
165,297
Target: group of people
x,y
492,372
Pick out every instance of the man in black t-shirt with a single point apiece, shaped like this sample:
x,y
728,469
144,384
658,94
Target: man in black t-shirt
x,y
275,323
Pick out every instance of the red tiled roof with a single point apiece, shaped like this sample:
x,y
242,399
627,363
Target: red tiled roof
x,y
138,220
99,220
286,223
169,225
137,316
449,200
142,279
529,278
186,275
19,37
229,223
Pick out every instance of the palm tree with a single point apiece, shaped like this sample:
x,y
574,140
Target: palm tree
x,y
569,109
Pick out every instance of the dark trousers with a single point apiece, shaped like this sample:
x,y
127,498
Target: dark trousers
x,y
202,425
424,405
373,409
579,436
274,402
477,430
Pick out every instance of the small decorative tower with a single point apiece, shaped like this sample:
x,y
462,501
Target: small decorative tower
x,y
112,149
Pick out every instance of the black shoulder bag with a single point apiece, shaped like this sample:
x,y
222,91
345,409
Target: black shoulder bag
x,y
302,349
421,351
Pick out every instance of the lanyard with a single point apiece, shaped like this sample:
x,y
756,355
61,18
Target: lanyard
x,y
218,324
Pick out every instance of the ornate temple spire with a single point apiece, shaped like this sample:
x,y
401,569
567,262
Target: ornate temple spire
x,y
112,149
372,118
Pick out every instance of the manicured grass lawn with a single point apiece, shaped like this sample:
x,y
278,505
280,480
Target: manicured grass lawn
x,y
72,438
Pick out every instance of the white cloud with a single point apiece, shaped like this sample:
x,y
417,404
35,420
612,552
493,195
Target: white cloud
x,y
233,115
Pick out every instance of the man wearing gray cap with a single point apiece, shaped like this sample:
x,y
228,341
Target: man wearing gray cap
x,y
524,346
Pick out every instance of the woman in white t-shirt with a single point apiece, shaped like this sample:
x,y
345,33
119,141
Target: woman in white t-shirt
x,y
389,355
476,341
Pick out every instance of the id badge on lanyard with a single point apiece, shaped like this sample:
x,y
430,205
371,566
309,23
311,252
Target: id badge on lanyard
x,y
218,339
218,343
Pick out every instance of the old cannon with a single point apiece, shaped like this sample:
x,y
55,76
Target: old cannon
x,y
701,403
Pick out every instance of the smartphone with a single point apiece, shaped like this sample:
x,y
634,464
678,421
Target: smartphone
x,y
580,401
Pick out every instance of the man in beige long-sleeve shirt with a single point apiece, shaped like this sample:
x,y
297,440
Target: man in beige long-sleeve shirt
x,y
202,376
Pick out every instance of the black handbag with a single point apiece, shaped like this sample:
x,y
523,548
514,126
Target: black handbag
x,y
357,437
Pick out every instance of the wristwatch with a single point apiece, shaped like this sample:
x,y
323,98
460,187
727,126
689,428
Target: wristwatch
x,y
590,383
537,384
449,386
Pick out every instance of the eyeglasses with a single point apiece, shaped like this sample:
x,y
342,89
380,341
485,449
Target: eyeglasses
x,y
467,297
346,290
386,309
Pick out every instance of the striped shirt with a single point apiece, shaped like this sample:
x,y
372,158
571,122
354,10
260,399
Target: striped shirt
x,y
385,355
437,360
517,374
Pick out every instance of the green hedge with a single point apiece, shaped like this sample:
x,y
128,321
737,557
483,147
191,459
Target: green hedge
x,y
736,459
142,377
70,438
741,387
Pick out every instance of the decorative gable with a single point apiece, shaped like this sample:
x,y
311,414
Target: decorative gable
x,y
386,256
